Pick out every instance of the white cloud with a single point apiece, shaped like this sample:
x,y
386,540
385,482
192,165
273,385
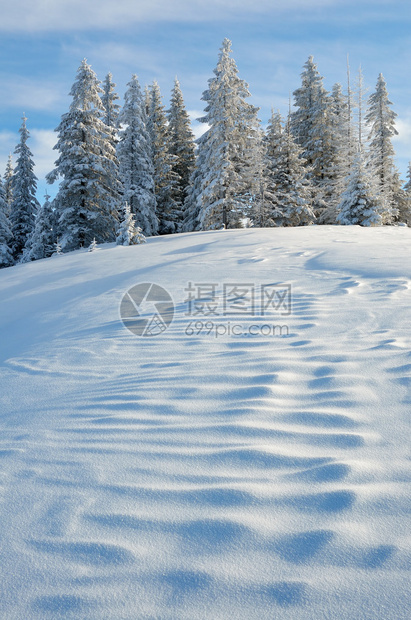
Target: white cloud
x,y
63,15
403,126
24,93
42,144
402,143
197,128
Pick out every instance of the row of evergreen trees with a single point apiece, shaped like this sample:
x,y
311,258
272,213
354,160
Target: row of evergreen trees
x,y
136,169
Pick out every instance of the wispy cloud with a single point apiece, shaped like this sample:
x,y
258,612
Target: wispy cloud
x,y
402,142
42,145
197,128
23,93
63,15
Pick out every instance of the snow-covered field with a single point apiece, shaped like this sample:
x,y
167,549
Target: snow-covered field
x,y
214,476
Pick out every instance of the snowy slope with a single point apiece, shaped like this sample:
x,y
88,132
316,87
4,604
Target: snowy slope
x,y
191,476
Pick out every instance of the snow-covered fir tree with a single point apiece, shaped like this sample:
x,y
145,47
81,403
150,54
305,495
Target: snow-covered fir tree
x,y
111,109
360,105
128,233
181,144
407,186
227,147
136,166
287,197
6,237
351,142
8,182
404,201
312,130
360,203
93,246
89,194
193,201
380,119
24,204
147,100
110,114
255,216
266,211
57,248
169,211
340,156
41,243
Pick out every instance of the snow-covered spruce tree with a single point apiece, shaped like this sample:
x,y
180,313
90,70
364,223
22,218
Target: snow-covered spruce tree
x,y
6,237
110,114
351,142
312,130
41,243
404,200
147,100
193,201
93,246
360,203
169,210
136,166
181,145
128,233
227,147
380,119
288,192
109,97
266,211
89,195
339,164
24,202
258,208
57,248
8,183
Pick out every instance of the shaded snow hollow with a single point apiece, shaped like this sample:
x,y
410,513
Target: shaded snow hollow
x,y
188,476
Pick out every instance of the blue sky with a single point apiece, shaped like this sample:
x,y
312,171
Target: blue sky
x,y
42,43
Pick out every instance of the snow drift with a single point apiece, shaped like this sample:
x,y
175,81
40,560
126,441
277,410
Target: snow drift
x,y
198,474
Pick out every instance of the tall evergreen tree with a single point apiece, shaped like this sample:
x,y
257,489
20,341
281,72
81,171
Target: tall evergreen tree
x,y
109,97
258,184
266,211
337,167
8,183
287,201
361,105
41,243
136,166
24,186
381,120
181,144
360,203
6,237
165,178
351,142
110,114
228,147
312,130
89,194
193,202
